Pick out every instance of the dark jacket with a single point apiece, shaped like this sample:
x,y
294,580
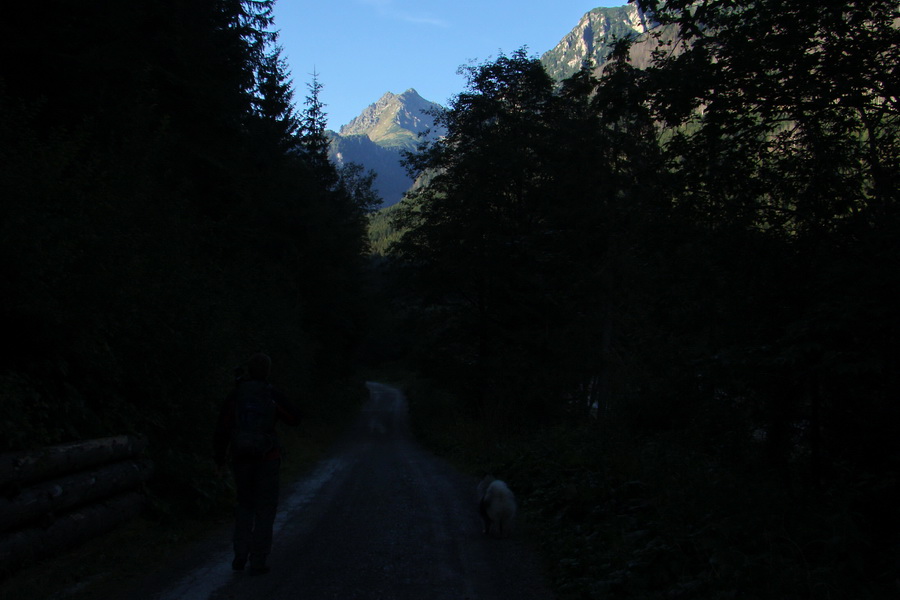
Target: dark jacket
x,y
285,411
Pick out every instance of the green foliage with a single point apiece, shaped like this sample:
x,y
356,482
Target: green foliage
x,y
381,230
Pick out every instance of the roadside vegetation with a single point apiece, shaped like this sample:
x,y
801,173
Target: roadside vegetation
x,y
660,303
168,210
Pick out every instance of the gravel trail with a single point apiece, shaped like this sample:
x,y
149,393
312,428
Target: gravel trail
x,y
380,518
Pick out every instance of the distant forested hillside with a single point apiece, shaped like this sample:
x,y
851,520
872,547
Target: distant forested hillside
x,y
381,231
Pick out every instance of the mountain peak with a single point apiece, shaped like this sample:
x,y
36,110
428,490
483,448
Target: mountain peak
x,y
377,138
394,120
592,38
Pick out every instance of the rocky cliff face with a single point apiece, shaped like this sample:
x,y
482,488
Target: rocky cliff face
x,y
592,38
395,120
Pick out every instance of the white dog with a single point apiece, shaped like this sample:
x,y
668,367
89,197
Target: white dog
x,y
497,505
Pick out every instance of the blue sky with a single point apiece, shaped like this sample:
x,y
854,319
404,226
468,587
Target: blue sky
x,y
364,48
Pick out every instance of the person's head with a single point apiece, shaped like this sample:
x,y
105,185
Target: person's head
x,y
258,366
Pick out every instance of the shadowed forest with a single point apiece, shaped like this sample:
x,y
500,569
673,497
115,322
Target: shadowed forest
x,y
661,303
168,209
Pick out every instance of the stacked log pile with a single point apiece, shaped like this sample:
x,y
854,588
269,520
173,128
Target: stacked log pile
x,y
54,498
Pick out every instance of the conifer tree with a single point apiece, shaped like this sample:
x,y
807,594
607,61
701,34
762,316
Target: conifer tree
x,y
273,101
314,142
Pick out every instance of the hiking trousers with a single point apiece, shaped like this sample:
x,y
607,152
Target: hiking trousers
x,y
257,500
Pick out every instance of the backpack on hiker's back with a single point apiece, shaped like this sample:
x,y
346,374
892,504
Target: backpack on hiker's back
x,y
255,413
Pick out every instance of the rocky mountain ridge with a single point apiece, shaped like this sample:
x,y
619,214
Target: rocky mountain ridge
x,y
395,120
593,37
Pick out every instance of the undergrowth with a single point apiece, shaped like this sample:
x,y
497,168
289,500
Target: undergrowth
x,y
619,514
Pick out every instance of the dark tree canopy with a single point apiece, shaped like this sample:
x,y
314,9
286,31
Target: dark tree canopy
x,y
159,224
705,248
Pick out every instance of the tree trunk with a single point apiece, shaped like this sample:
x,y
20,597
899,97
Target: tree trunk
x,y
70,491
45,463
29,545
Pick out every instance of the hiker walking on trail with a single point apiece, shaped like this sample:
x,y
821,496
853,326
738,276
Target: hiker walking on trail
x,y
246,432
